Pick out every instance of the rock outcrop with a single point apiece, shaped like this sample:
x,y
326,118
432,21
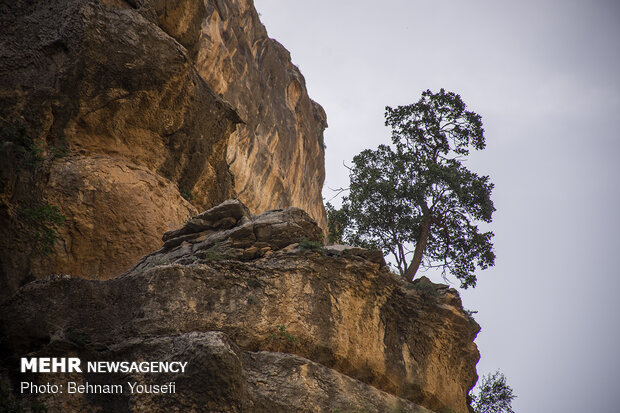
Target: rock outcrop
x,y
267,318
117,110
277,154
120,120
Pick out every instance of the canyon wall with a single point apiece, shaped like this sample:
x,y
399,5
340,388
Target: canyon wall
x,y
128,123
277,153
110,109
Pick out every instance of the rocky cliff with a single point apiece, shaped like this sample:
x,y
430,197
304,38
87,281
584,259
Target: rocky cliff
x,y
121,120
130,116
267,319
277,154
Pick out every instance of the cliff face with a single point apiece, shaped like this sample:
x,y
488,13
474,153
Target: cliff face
x,y
120,120
112,111
266,324
277,154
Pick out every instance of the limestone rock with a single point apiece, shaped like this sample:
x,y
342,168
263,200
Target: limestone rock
x,y
277,154
334,314
280,382
109,81
121,209
107,86
223,216
221,377
347,250
133,92
230,231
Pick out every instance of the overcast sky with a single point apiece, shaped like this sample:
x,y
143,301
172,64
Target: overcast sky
x,y
545,77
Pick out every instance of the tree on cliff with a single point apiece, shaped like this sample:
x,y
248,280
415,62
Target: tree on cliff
x,y
415,199
494,395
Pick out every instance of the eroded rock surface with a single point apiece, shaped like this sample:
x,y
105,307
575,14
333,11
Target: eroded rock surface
x,y
127,108
277,155
117,125
220,377
266,288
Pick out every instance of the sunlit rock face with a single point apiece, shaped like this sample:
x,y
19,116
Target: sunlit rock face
x,y
149,101
277,154
267,318
130,117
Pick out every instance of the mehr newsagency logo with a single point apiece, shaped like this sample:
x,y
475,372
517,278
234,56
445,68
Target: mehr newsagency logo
x,y
74,365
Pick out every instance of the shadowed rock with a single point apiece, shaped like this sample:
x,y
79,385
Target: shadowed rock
x,y
134,107
335,311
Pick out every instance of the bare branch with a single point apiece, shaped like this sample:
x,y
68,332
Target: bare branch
x,y
338,192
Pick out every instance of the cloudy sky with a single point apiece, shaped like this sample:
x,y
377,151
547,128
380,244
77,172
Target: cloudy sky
x,y
545,76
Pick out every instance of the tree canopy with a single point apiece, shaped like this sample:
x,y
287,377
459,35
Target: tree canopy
x,y
494,395
415,199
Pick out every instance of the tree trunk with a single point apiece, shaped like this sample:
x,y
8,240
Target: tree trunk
x,y
420,246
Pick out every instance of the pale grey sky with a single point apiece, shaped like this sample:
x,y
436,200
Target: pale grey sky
x,y
545,76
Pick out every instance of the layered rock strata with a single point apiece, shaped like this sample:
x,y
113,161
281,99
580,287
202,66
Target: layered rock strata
x,y
235,292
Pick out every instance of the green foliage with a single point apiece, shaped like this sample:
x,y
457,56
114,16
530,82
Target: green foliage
x,y
214,253
470,315
494,395
33,157
415,199
337,222
426,289
59,151
187,194
311,245
283,334
44,222
28,150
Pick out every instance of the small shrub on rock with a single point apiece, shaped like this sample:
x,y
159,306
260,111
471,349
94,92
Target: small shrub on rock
x,y
44,222
311,245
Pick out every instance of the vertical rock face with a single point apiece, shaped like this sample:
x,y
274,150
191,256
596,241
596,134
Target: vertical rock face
x,y
119,111
277,154
115,121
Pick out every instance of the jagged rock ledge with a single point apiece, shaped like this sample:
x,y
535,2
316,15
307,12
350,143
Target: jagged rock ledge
x,y
267,323
229,231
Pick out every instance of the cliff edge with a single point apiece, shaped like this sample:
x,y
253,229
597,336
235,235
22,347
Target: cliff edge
x,y
267,319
